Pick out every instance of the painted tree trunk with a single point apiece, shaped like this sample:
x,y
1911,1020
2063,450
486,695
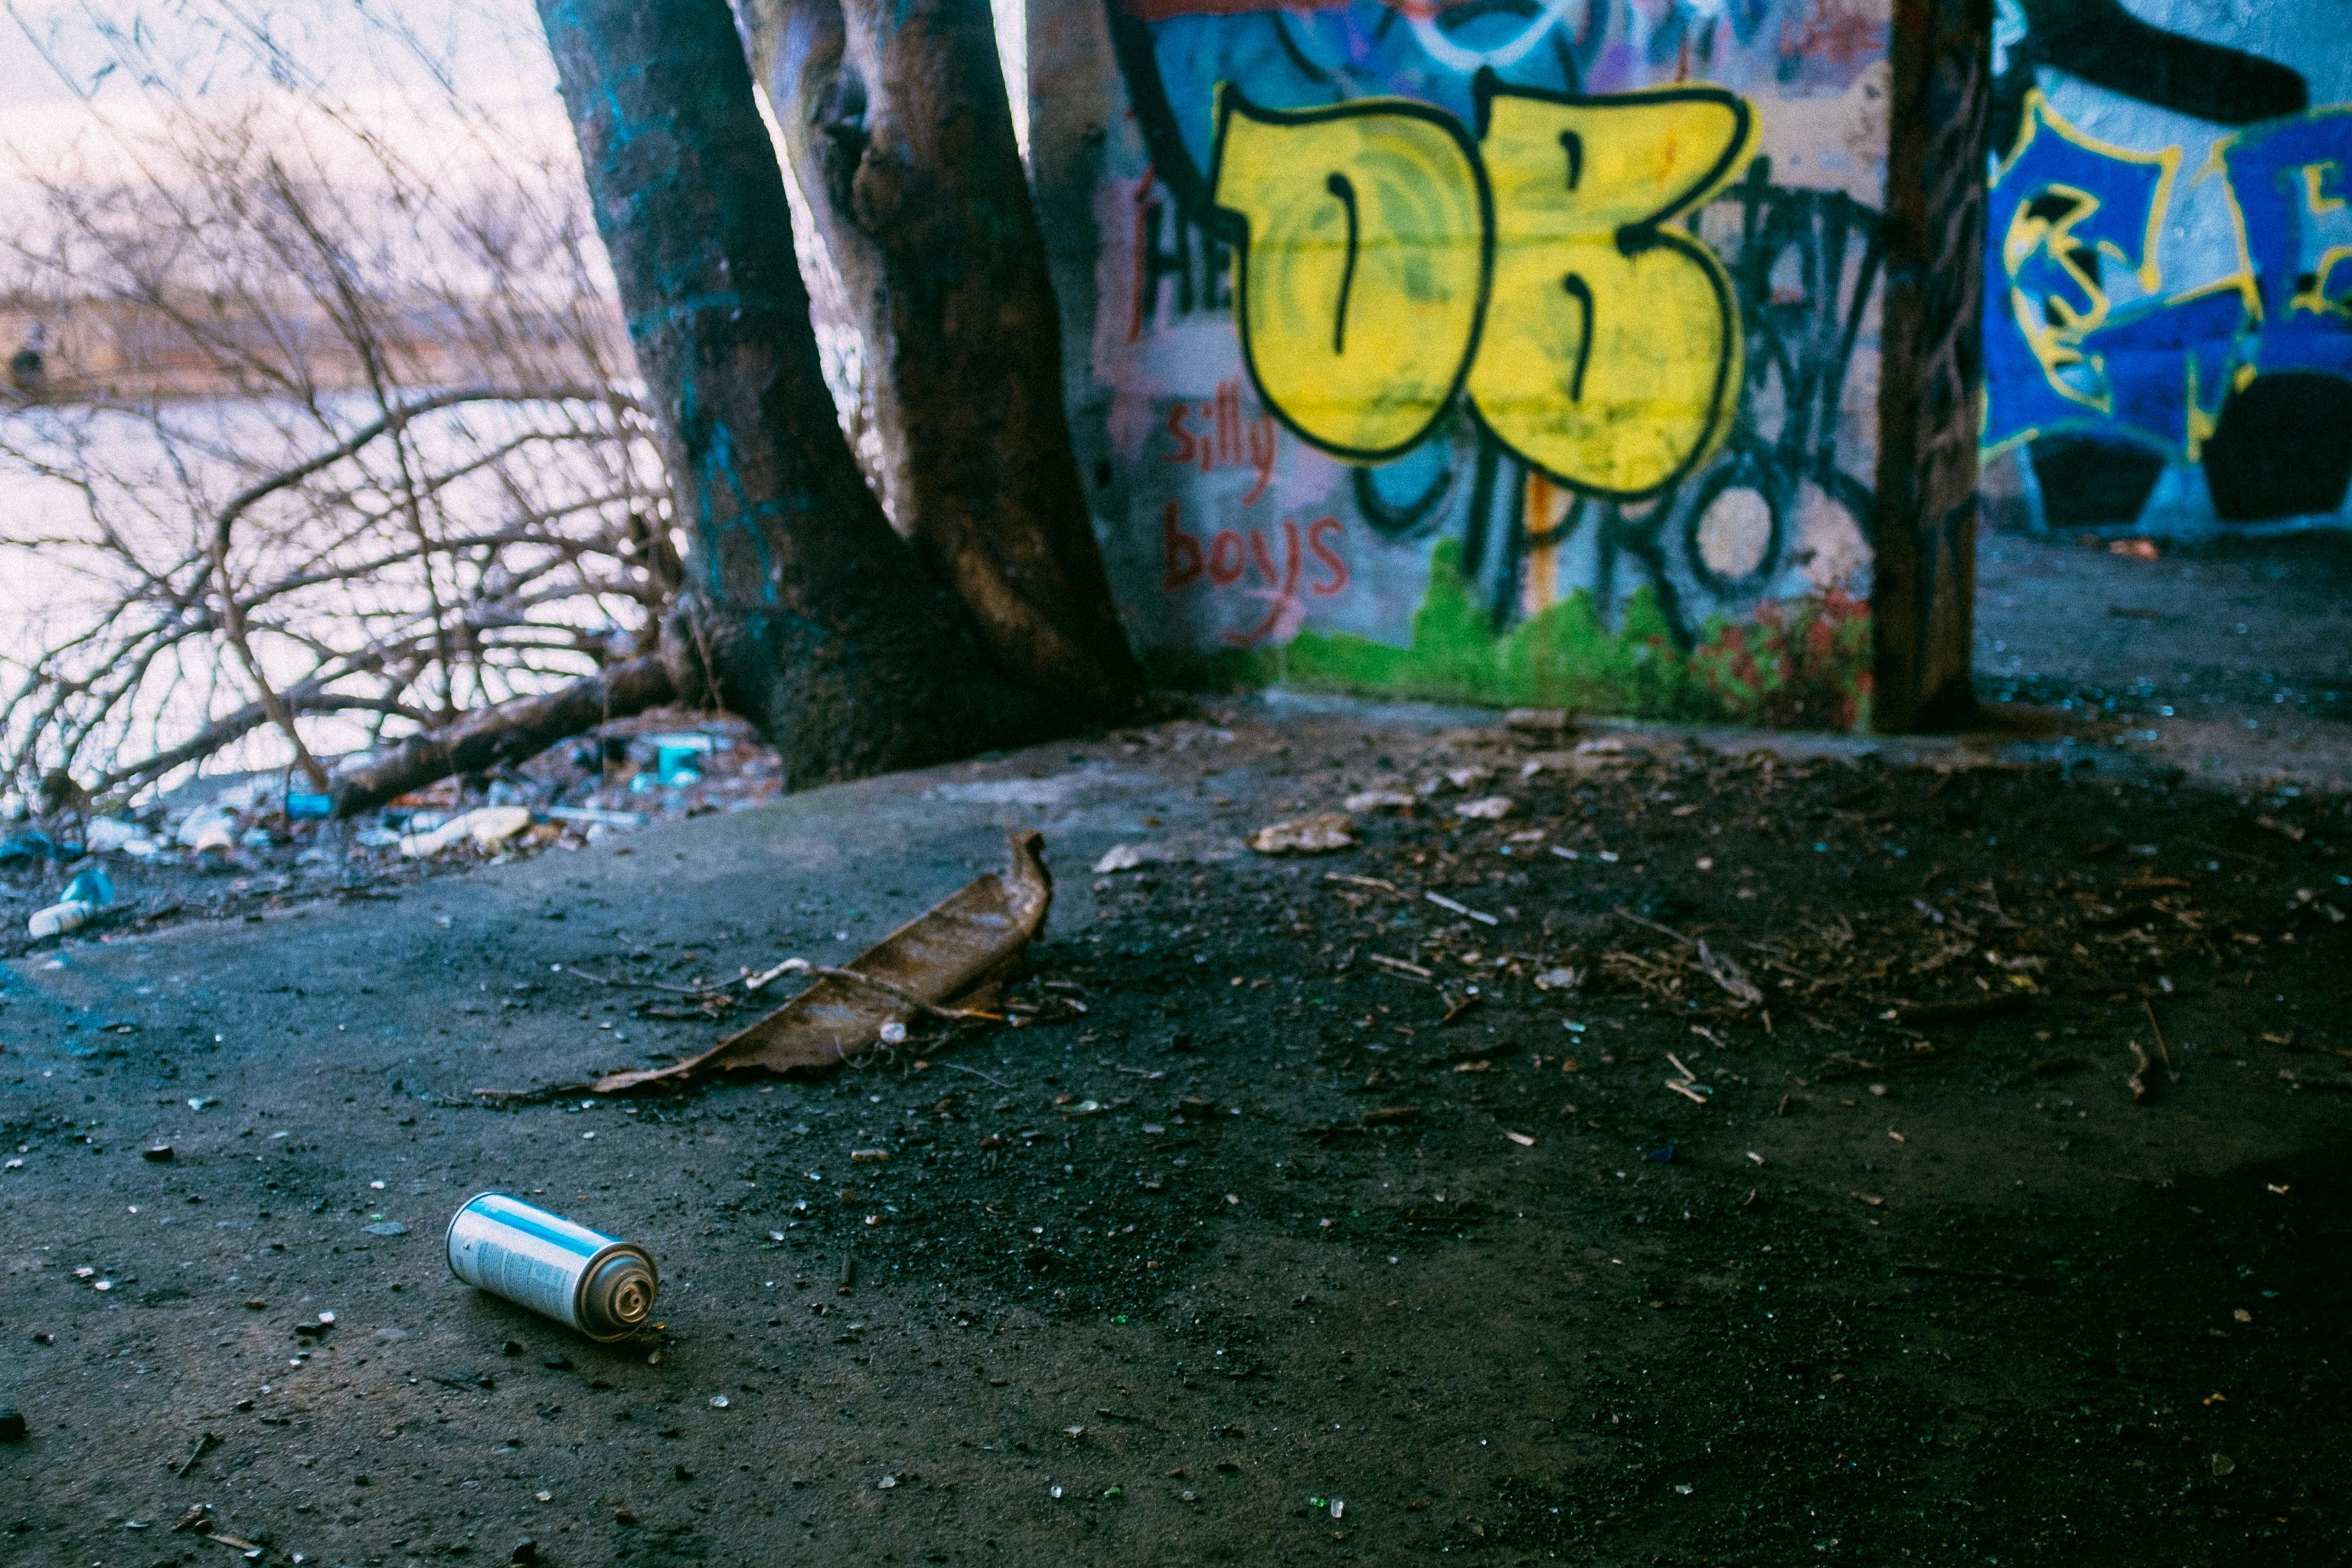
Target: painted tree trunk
x,y
895,117
802,611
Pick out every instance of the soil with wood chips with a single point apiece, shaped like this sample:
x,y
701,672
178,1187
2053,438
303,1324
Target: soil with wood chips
x,y
1731,1154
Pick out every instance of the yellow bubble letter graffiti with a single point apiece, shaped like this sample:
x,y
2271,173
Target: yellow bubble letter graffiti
x,y
1611,356
1361,232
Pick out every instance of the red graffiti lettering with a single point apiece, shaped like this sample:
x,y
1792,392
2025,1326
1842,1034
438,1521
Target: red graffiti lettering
x,y
1146,220
1179,551
1262,558
1179,416
1262,437
1221,434
1282,588
1225,558
1327,556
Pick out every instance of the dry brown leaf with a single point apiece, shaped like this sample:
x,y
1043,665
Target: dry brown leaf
x,y
958,950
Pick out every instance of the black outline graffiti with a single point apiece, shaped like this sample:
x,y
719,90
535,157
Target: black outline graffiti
x,y
1344,189
1581,292
2107,45
1807,346
1389,520
1155,117
1644,235
1234,229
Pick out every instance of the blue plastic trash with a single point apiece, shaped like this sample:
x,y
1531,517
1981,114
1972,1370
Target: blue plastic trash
x,y
93,887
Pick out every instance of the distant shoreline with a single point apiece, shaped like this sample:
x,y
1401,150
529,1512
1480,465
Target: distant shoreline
x,y
103,350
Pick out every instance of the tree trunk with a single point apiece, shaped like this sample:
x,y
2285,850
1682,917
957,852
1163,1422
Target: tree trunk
x,y
802,611
895,117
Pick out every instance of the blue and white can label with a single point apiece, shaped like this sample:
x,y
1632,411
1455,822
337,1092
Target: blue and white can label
x,y
595,1283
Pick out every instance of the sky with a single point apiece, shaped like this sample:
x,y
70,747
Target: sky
x,y
65,93
81,83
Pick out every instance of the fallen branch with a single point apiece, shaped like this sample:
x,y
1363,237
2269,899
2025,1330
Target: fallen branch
x,y
509,731
308,697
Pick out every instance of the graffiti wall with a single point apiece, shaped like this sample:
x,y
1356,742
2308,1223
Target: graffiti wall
x,y
2168,278
1516,350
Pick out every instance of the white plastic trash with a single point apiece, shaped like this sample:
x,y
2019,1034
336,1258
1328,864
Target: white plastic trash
x,y
488,826
60,918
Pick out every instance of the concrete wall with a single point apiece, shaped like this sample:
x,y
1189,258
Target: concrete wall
x,y
1524,352
2168,282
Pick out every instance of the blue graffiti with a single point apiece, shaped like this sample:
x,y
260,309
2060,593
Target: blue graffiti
x,y
2168,365
2063,352
1300,54
2285,176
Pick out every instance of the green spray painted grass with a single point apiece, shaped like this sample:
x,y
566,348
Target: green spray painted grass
x,y
1808,663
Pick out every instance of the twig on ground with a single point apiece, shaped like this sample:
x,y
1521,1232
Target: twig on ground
x,y
643,985
909,998
1624,913
502,1097
205,1444
766,977
2162,1050
1926,1014
958,1067
1457,907
1987,1276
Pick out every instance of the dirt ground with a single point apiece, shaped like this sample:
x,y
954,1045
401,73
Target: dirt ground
x,y
2224,659
1335,1208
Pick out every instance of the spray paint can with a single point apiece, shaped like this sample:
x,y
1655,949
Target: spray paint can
x,y
598,1284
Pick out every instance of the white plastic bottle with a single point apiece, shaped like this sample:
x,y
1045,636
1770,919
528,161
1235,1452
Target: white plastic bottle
x,y
60,918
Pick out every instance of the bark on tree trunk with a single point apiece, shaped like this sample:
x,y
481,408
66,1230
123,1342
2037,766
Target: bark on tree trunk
x,y
1923,587
895,117
802,611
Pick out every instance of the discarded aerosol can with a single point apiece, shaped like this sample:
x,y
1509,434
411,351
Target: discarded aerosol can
x,y
600,1285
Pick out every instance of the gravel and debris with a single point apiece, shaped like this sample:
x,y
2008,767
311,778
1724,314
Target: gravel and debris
x,y
248,846
1726,1153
